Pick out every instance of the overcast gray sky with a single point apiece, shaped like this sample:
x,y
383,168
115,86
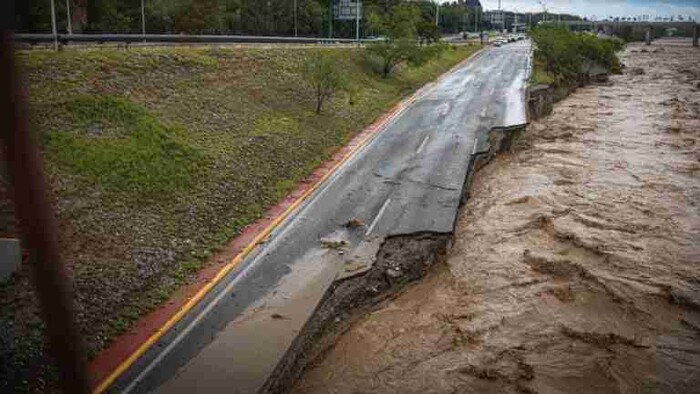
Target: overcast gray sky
x,y
604,8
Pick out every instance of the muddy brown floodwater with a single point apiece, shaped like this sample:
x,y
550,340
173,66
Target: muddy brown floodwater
x,y
576,264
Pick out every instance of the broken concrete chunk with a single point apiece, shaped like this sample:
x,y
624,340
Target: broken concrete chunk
x,y
352,268
394,273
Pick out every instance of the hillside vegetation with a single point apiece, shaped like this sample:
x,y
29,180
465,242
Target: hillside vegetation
x,y
157,157
565,58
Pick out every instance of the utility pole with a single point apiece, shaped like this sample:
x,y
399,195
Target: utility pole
x,y
437,13
53,25
544,11
330,19
143,18
503,19
70,24
357,21
295,18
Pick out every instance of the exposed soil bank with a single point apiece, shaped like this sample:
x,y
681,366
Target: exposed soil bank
x,y
576,265
400,260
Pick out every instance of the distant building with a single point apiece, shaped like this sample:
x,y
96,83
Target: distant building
x,y
474,14
507,20
473,6
499,19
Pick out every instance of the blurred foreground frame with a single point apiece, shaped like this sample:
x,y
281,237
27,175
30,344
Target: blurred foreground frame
x,y
38,228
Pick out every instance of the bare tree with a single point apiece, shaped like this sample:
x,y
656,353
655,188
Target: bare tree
x,y
323,76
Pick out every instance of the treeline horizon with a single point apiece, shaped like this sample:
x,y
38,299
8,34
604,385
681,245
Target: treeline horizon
x,y
251,17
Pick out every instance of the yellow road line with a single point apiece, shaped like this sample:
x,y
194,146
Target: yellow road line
x,y
126,364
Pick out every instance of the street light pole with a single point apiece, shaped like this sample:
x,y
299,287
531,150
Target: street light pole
x,y
53,25
70,24
143,18
330,19
503,17
437,13
357,21
295,18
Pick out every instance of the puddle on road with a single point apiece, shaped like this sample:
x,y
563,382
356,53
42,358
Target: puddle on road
x,y
576,266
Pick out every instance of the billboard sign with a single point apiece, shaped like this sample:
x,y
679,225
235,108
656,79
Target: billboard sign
x,y
346,9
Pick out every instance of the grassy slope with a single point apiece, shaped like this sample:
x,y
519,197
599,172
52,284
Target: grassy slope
x,y
159,156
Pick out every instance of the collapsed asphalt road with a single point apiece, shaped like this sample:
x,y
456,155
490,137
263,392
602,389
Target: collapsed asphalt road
x,y
408,180
575,261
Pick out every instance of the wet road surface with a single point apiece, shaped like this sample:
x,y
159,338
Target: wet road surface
x,y
576,263
408,179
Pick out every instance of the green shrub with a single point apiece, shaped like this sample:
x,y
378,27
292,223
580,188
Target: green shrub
x,y
387,54
569,57
384,56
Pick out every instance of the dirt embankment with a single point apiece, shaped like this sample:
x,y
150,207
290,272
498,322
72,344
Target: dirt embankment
x,y
576,265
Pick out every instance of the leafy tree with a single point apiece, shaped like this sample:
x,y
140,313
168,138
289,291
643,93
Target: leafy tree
x,y
113,16
324,77
400,22
390,53
200,16
570,56
428,32
453,17
402,27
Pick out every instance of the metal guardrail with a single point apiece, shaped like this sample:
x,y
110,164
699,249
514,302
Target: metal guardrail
x,y
33,38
